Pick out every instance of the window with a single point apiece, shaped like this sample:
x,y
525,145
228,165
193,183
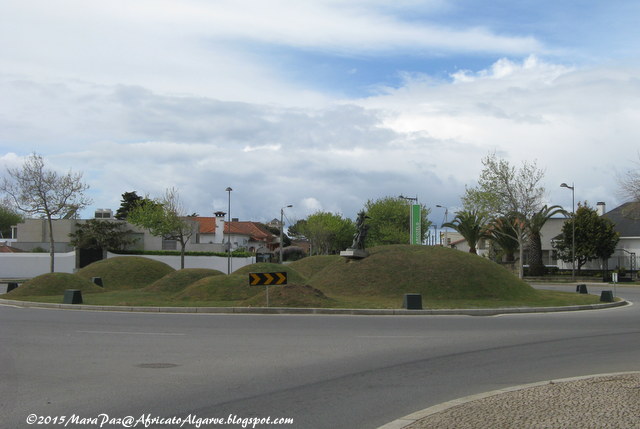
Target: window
x,y
169,244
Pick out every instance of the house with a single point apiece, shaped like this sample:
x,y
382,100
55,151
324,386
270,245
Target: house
x,y
626,219
251,236
211,234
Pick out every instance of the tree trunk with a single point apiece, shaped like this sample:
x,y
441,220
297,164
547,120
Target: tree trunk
x,y
51,244
536,267
183,245
520,233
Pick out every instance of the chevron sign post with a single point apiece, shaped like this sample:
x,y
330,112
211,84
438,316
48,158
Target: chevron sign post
x,y
267,279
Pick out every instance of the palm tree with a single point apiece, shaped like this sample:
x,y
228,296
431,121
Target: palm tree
x,y
502,232
471,225
534,228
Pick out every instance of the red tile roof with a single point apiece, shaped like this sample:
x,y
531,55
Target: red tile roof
x,y
255,230
207,224
8,249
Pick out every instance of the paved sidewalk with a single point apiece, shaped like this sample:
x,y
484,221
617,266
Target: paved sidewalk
x,y
605,401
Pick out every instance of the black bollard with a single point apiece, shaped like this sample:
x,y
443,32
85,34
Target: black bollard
x,y
72,296
581,288
412,301
606,296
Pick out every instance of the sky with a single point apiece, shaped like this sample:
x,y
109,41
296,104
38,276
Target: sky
x,y
320,104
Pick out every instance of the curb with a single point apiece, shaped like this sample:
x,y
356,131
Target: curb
x,y
335,311
418,415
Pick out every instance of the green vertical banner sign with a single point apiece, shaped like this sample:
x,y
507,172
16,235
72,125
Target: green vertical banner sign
x,y
416,224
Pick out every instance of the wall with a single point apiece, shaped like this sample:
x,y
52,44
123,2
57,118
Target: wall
x,y
212,262
27,265
21,265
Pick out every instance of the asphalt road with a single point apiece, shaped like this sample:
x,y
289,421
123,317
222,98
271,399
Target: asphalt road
x,y
322,371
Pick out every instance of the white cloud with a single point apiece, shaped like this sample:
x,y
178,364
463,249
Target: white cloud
x,y
578,123
218,49
148,95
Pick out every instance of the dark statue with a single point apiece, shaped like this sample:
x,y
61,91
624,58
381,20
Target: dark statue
x,y
361,231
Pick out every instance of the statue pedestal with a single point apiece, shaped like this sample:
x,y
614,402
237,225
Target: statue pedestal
x,y
354,254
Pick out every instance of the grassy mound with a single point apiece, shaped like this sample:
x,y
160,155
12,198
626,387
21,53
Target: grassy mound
x,y
437,273
179,280
219,288
126,272
312,265
291,295
54,284
293,276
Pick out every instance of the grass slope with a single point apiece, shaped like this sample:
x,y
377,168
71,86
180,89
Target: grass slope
x,y
312,265
235,287
291,295
219,288
437,273
126,272
179,280
54,284
293,276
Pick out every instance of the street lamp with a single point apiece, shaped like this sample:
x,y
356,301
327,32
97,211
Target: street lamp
x,y
282,227
573,233
229,236
446,219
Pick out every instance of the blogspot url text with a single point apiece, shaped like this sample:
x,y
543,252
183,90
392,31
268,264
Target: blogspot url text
x,y
147,420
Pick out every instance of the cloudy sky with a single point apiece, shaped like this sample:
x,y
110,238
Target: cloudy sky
x,y
322,104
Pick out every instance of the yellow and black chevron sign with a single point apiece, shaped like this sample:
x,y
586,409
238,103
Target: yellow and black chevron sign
x,y
267,279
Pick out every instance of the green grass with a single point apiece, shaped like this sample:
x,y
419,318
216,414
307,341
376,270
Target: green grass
x,y
291,295
126,272
310,266
444,277
437,273
53,284
179,280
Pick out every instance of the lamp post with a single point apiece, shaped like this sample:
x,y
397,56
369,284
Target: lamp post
x,y
446,219
573,232
282,227
229,236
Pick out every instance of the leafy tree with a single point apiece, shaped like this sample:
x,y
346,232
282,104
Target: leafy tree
x,y
389,221
293,253
8,218
296,229
471,225
129,201
327,232
595,237
535,225
503,191
101,234
164,217
35,190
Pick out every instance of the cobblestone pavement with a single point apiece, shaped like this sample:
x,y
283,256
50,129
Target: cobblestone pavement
x,y
609,401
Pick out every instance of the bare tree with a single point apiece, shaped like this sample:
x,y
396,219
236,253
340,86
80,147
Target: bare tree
x,y
630,184
35,190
